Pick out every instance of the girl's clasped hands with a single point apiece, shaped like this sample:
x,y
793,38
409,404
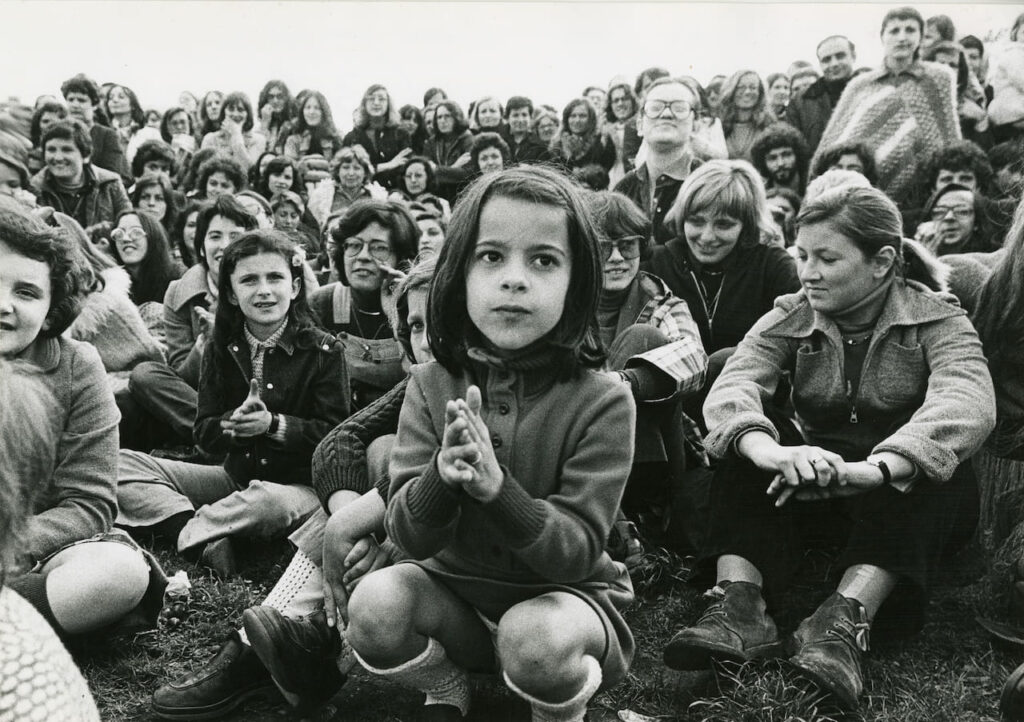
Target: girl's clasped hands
x,y
467,457
251,418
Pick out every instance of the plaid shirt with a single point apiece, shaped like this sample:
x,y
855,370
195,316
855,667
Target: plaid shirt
x,y
257,350
683,358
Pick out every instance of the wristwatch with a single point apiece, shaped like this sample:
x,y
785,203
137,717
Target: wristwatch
x,y
903,486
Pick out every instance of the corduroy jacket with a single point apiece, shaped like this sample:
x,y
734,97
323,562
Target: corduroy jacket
x,y
102,202
925,391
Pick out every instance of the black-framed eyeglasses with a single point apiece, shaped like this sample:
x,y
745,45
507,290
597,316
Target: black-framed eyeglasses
x,y
378,249
119,235
629,247
962,213
679,108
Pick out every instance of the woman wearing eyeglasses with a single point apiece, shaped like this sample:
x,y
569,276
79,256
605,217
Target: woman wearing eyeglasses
x,y
372,239
653,345
139,243
956,223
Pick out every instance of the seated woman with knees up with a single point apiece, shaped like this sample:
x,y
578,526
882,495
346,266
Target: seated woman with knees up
x,y
272,385
892,394
78,572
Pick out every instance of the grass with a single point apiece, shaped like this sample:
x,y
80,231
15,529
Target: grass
x,y
948,673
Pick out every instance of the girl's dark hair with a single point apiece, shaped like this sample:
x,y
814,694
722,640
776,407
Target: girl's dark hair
x,y
591,115
983,231
431,92
323,133
187,253
190,177
871,221
418,278
37,116
95,260
419,137
221,164
999,313
574,338
609,114
616,216
229,320
157,270
427,166
149,180
404,234
277,119
223,205
28,236
486,140
209,125
235,99
254,170
277,167
829,156
943,24
154,150
138,115
165,122
457,115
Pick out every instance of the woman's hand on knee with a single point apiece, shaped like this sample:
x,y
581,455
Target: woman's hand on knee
x,y
366,556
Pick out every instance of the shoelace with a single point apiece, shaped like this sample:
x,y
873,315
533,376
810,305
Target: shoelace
x,y
716,608
854,633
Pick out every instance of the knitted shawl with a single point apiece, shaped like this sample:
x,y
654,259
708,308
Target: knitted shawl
x,y
904,125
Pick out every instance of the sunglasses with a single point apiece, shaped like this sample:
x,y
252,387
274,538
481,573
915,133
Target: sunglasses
x,y
629,247
119,235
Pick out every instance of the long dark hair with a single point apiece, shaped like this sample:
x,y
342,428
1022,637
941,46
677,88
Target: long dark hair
x,y
157,270
574,338
319,135
229,319
277,119
153,179
999,314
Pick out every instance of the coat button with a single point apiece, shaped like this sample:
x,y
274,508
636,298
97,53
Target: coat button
x,y
496,441
263,462
503,409
270,386
234,348
326,347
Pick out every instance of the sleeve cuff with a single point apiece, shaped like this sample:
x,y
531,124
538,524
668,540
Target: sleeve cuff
x,y
517,514
429,499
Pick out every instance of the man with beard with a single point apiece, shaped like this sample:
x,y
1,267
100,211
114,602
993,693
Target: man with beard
x,y
780,156
810,110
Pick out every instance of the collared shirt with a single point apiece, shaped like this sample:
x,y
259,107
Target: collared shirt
x,y
257,352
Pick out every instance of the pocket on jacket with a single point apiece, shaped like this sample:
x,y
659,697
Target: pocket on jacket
x,y
902,374
813,377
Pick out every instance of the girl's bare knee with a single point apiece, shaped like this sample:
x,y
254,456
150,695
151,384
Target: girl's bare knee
x,y
380,611
538,649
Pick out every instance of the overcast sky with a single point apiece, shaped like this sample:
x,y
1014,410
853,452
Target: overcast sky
x,y
549,51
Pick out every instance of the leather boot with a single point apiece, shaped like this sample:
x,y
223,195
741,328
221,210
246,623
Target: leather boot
x,y
1011,701
234,675
300,654
829,645
733,628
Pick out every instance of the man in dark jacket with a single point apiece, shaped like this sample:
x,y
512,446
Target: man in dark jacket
x,y
809,113
83,98
92,196
523,144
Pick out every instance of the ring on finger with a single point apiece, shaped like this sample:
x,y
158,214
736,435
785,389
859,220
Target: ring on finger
x,y
476,459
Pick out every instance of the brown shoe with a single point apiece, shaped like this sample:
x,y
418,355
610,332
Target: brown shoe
x,y
829,645
733,628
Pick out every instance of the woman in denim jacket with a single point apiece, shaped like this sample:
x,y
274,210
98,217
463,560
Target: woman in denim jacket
x,y
892,395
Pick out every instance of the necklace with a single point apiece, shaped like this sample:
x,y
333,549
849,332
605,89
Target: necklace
x,y
857,340
702,292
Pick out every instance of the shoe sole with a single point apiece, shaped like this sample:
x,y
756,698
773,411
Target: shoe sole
x,y
691,657
846,702
215,710
1012,709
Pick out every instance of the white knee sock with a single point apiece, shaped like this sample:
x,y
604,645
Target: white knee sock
x,y
433,673
299,591
571,710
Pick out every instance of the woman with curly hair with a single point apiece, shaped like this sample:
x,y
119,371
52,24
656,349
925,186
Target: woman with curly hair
x,y
379,132
744,112
579,141
313,130
448,148
220,174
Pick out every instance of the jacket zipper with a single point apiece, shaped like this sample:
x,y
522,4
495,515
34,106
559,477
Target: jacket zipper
x,y
853,403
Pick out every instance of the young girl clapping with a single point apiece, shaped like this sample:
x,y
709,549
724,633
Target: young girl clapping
x,y
511,458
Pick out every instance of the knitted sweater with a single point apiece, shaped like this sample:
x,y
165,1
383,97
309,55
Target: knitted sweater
x,y
77,499
45,683
903,118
